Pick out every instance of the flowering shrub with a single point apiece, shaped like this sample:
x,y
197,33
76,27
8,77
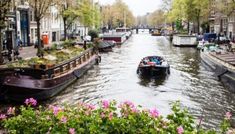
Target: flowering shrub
x,y
107,117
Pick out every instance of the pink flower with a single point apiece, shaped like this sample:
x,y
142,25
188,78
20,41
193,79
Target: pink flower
x,y
134,110
11,111
102,115
90,106
71,131
129,103
180,130
228,115
154,113
55,109
110,116
30,101
120,105
3,116
63,119
105,104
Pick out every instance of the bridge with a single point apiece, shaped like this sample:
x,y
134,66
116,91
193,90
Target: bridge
x,y
145,27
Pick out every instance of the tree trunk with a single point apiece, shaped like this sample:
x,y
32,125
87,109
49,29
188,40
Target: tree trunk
x,y
39,44
1,45
198,21
198,25
188,28
172,25
65,28
226,34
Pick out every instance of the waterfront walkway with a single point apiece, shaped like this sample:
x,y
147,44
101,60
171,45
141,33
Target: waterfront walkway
x,y
27,52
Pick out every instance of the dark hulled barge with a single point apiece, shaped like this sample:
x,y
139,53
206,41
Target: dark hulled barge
x,y
44,82
223,64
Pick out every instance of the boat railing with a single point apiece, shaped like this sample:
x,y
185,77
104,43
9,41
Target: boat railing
x,y
68,65
62,68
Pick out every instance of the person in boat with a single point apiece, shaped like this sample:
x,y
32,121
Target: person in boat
x,y
146,61
156,60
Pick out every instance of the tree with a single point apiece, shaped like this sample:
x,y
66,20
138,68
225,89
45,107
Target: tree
x,y
177,12
4,10
87,18
226,7
189,11
157,18
69,11
97,16
117,14
201,12
107,16
167,5
40,8
121,14
87,12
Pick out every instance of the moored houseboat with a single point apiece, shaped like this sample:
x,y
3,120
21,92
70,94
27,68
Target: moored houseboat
x,y
43,82
119,38
223,64
153,66
156,32
184,40
125,30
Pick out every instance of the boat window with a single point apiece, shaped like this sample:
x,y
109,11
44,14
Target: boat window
x,y
57,71
72,64
90,52
87,55
65,68
78,61
83,58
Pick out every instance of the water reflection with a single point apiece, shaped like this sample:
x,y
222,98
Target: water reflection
x,y
155,81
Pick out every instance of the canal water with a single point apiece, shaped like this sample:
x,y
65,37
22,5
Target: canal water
x,y
189,81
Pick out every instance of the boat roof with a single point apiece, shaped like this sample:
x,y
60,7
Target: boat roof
x,y
122,28
105,44
115,34
153,56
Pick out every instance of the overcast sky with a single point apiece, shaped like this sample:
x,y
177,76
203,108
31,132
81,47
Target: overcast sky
x,y
138,7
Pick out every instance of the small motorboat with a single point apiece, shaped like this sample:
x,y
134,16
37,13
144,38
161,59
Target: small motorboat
x,y
153,65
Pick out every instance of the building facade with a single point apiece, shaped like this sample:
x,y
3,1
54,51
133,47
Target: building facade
x,y
222,22
51,26
23,26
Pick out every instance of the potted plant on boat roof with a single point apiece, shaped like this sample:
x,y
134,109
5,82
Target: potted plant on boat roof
x,y
41,63
62,56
